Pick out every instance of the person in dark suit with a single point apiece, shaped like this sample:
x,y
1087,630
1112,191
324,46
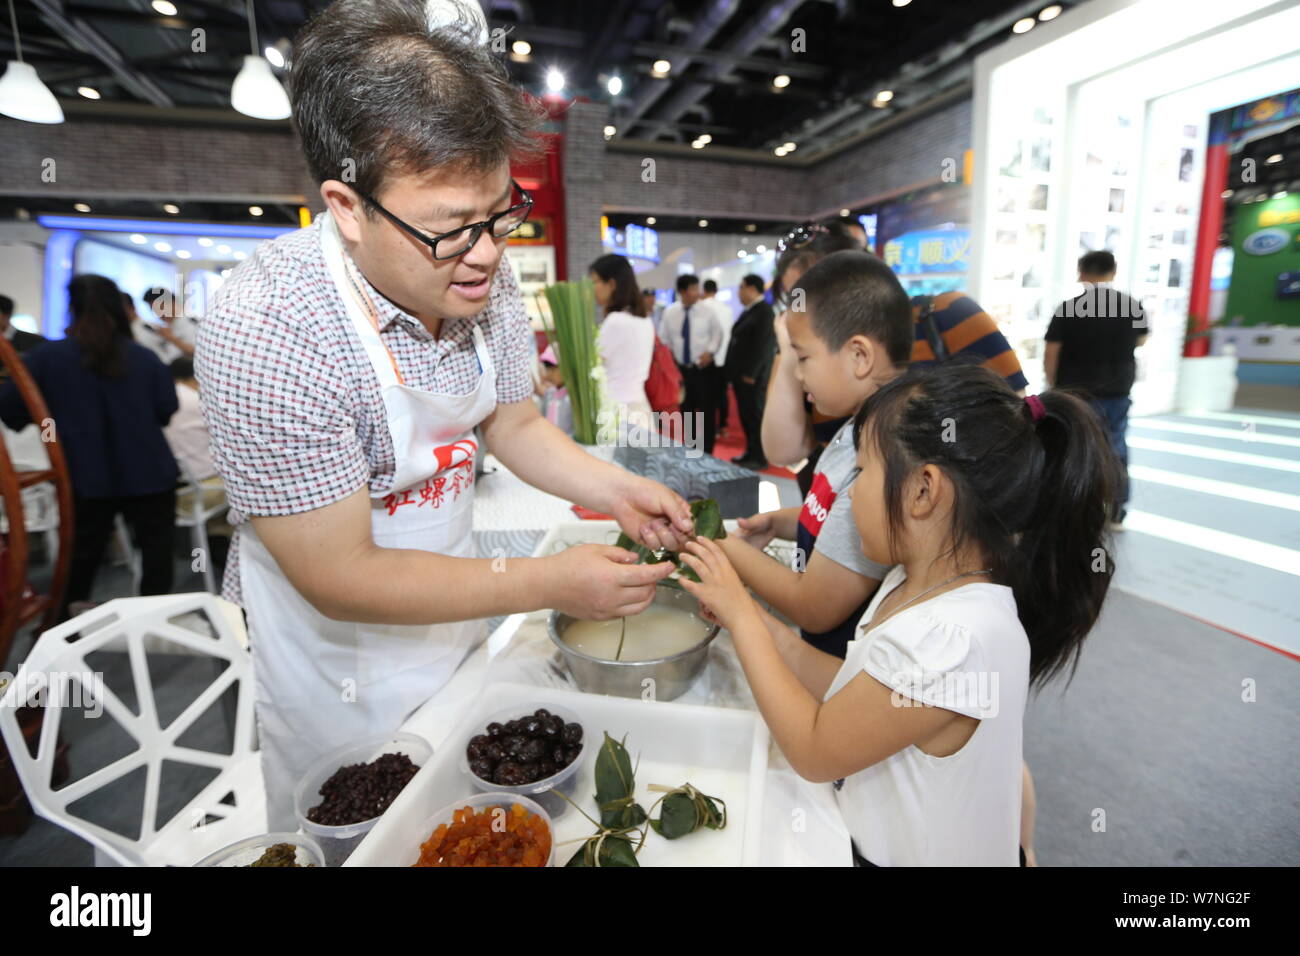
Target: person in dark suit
x,y
21,341
749,359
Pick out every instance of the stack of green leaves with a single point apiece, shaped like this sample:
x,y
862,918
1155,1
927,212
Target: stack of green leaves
x,y
707,519
573,334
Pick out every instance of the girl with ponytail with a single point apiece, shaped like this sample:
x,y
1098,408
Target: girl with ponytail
x,y
992,511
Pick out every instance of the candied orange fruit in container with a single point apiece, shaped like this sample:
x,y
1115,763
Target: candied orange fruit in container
x,y
487,836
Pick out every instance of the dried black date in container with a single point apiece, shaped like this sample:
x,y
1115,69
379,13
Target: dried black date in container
x,y
530,753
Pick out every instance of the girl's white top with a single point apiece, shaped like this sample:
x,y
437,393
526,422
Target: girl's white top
x,y
966,651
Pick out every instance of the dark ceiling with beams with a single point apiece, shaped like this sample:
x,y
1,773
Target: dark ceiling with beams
x,y
724,56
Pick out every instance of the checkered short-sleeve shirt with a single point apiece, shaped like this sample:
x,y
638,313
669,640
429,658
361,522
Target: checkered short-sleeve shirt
x,y
292,403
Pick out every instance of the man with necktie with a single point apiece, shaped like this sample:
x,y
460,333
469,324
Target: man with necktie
x,y
693,336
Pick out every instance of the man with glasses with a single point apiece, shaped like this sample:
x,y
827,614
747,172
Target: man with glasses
x,y
348,372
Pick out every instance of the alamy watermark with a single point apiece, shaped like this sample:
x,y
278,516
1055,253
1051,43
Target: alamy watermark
x,y
965,692
77,690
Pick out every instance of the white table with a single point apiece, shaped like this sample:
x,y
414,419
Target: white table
x,y
802,824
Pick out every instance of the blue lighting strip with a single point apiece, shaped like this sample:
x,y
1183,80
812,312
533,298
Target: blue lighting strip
x,y
164,227
58,271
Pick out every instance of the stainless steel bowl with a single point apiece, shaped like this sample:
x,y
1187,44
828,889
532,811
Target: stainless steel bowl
x,y
672,676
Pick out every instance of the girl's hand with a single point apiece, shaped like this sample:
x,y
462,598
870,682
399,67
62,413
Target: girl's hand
x,y
720,588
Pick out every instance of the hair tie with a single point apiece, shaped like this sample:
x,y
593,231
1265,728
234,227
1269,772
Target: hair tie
x,y
1036,408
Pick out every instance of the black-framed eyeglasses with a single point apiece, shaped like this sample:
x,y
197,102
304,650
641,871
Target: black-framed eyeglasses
x,y
449,245
800,235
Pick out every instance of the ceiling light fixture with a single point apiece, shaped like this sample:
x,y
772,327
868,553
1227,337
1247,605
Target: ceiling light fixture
x,y
751,227
1023,25
781,81
138,239
256,92
760,249
241,255
650,220
554,80
661,67
171,207
275,57
81,207
705,138
780,151
610,131
223,249
884,96
697,144
89,92
521,48
255,210
845,213
901,3
22,94
165,7
163,246
703,223
789,147
182,253
205,242
615,85
1275,158
1050,13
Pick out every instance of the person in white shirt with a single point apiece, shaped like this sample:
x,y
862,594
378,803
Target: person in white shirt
x,y
187,432
187,436
694,336
992,509
626,339
726,319
171,334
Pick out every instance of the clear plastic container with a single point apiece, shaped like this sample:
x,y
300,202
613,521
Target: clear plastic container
x,y
245,852
478,802
339,842
542,791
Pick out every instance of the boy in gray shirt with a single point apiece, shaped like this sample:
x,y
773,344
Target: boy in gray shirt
x,y
854,334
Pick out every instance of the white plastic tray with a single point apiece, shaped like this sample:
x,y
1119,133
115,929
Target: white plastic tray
x,y
723,752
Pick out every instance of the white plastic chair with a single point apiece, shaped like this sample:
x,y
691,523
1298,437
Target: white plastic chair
x,y
210,627
193,515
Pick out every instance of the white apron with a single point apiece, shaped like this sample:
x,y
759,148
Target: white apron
x,y
322,683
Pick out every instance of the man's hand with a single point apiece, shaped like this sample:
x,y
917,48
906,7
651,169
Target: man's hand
x,y
652,514
599,582
705,360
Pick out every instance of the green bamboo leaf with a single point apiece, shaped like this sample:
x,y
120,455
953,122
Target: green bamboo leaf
x,y
614,776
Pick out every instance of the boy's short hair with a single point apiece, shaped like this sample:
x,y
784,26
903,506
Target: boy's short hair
x,y
710,285
687,280
1097,263
852,293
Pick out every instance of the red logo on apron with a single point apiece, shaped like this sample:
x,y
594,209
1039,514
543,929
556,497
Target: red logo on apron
x,y
817,505
457,457
456,454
